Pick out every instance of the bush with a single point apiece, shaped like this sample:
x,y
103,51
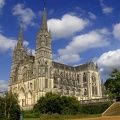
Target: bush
x,y
54,103
94,108
30,114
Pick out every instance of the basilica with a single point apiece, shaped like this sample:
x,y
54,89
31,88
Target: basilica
x,y
32,76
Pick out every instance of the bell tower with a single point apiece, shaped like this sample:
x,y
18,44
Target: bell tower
x,y
19,53
43,52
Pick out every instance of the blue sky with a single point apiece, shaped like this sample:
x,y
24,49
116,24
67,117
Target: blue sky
x,y
82,30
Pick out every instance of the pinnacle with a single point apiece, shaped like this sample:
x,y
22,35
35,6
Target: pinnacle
x,y
44,21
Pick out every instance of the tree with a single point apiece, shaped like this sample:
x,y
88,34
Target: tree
x,y
113,84
2,106
54,103
9,107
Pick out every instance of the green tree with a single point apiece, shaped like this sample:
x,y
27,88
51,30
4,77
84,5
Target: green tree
x,y
54,103
9,107
2,106
113,84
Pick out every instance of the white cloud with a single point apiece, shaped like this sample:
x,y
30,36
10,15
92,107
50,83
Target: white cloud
x,y
3,85
26,15
29,51
66,26
8,43
2,3
92,16
67,58
109,60
116,31
93,39
106,10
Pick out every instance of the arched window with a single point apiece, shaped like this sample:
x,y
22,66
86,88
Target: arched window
x,y
78,78
94,85
84,77
31,86
46,83
24,73
85,92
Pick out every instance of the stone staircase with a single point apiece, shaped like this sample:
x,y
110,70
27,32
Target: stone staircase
x,y
113,110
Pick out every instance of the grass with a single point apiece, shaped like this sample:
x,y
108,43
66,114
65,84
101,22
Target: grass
x,y
64,117
113,110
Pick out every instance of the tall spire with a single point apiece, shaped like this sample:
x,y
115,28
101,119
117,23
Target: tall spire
x,y
44,20
20,38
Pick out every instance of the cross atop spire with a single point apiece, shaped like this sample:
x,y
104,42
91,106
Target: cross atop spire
x,y
44,21
44,5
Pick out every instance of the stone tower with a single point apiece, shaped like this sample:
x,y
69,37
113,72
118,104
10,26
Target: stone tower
x,y
43,54
19,53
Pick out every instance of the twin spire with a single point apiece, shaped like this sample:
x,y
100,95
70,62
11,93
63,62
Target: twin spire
x,y
44,20
43,29
20,38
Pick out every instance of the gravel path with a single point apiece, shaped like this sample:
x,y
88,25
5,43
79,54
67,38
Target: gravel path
x,y
103,118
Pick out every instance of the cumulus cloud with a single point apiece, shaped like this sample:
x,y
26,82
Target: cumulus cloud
x,y
94,39
92,16
116,31
2,3
8,43
26,15
3,85
106,10
109,60
66,26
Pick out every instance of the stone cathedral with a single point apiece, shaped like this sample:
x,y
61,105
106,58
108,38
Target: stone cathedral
x,y
32,76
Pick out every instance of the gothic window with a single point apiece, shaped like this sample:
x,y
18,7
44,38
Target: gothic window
x,y
94,85
46,83
46,70
61,74
78,79
39,70
84,78
55,80
24,73
85,92
15,89
31,86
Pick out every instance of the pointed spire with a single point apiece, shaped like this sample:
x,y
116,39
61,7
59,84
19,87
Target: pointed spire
x,y
44,20
20,38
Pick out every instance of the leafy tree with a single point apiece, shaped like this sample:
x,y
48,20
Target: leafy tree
x,y
2,106
54,103
9,108
113,84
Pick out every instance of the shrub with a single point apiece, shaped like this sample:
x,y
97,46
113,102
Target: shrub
x,y
54,103
94,108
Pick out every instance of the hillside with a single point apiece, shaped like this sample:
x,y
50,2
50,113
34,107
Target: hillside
x,y
113,110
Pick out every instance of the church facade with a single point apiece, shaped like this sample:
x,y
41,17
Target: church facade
x,y
33,76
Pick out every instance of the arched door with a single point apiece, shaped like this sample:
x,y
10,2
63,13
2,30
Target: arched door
x,y
22,97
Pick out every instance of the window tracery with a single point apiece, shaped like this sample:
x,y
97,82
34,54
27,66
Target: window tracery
x,y
46,83
94,85
84,77
24,73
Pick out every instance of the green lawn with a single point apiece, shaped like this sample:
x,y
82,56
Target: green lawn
x,y
68,117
